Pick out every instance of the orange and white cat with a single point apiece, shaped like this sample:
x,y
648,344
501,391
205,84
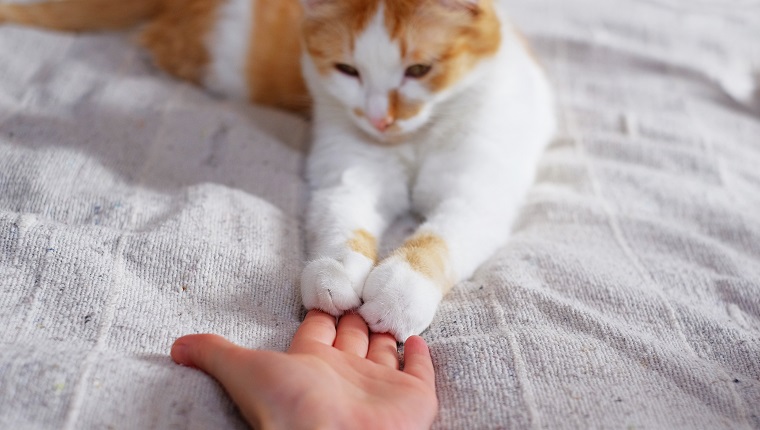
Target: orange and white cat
x,y
430,106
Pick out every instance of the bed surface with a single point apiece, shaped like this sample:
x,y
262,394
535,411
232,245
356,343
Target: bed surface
x,y
135,209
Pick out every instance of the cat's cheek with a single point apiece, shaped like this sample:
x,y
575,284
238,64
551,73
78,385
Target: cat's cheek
x,y
348,91
332,286
414,123
413,90
399,300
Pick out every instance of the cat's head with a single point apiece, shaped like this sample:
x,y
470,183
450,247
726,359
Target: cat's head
x,y
390,62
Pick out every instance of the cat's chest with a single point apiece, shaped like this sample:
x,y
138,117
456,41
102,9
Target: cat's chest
x,y
424,163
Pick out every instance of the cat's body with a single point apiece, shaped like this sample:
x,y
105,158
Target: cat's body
x,y
225,46
433,106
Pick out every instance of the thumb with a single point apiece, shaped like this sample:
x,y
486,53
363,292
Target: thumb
x,y
417,360
226,362
207,352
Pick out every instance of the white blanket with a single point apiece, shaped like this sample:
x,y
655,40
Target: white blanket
x,y
135,209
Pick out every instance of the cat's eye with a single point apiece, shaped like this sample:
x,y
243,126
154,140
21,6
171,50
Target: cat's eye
x,y
347,70
417,71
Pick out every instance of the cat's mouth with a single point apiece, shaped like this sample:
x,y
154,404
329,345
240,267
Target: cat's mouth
x,y
393,135
385,132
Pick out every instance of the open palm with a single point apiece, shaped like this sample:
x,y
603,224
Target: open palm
x,y
331,377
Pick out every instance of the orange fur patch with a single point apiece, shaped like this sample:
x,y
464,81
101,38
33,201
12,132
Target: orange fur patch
x,y
364,243
400,108
452,38
428,254
80,15
176,38
273,69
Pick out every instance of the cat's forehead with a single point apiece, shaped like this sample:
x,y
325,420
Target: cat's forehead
x,y
404,21
357,14
375,50
453,34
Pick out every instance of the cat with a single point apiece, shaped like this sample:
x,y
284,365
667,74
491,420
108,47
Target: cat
x,y
431,106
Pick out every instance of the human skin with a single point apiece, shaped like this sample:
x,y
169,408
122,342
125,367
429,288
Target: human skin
x,y
333,376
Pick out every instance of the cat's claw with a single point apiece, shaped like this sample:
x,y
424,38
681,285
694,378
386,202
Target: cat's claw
x,y
399,300
327,285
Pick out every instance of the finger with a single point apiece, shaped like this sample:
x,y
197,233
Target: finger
x,y
417,360
207,352
316,327
226,362
353,335
383,349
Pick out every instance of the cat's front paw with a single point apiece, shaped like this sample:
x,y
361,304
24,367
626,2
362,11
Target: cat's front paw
x,y
399,300
333,286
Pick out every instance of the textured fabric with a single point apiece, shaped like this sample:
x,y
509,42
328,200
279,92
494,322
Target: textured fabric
x,y
135,209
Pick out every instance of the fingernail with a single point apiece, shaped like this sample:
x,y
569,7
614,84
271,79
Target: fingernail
x,y
181,354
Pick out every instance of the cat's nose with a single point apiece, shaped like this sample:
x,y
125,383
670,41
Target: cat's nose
x,y
381,124
379,112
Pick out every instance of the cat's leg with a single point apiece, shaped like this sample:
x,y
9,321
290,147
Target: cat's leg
x,y
469,210
349,209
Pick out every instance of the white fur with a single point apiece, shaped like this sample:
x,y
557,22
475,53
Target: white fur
x,y
466,174
398,299
228,44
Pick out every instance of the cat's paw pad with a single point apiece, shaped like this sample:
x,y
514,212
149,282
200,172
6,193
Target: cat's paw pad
x,y
399,300
332,286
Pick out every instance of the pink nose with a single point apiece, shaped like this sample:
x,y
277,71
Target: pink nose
x,y
381,124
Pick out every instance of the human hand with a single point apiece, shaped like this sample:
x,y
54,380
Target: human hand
x,y
331,377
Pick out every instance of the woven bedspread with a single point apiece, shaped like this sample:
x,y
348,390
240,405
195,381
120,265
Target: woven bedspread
x,y
135,209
